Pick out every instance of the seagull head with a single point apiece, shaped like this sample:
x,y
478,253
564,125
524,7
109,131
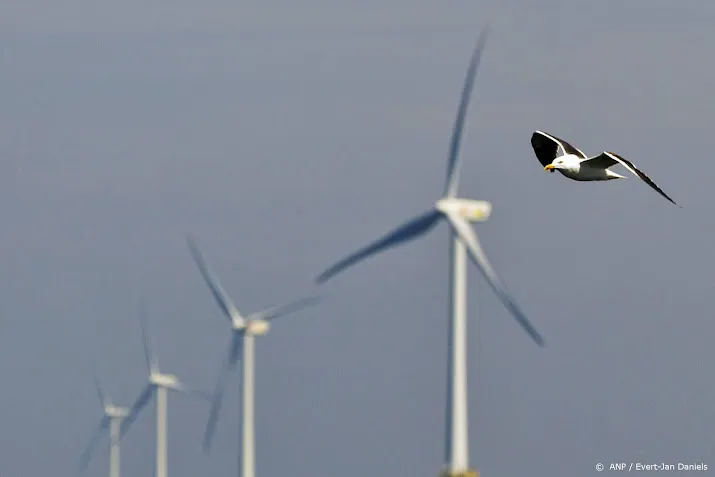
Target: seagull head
x,y
557,164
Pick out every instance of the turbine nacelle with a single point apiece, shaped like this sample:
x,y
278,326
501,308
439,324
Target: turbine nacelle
x,y
471,210
257,327
115,411
164,380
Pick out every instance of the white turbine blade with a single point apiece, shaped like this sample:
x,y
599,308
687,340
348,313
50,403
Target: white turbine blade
x,y
87,454
408,231
102,398
136,408
467,235
282,310
151,360
234,353
182,388
219,294
453,163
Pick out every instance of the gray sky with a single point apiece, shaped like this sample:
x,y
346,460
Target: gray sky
x,y
286,136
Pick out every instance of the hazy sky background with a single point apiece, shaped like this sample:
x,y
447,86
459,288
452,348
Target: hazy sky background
x,y
284,135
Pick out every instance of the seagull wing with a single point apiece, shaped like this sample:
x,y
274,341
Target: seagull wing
x,y
546,147
607,159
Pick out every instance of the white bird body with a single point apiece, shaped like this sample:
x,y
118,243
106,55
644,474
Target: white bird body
x,y
574,168
558,155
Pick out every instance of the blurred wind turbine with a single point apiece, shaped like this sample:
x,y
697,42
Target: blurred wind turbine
x,y
158,383
458,213
243,331
112,420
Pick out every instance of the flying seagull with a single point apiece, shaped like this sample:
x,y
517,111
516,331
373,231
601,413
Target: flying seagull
x,y
556,154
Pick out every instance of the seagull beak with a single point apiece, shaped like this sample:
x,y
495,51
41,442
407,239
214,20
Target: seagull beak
x,y
549,167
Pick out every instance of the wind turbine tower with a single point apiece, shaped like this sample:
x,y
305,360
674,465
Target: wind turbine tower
x,y
244,329
158,384
464,243
112,420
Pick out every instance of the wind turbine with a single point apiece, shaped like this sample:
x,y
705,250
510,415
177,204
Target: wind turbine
x,y
112,420
458,213
243,331
158,383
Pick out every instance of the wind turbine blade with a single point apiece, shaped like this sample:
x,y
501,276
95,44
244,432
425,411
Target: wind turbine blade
x,y
233,355
184,389
87,454
136,408
219,294
282,310
215,408
151,361
467,235
408,231
453,163
235,351
102,397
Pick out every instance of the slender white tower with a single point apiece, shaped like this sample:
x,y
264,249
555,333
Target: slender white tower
x,y
114,428
248,468
457,437
161,433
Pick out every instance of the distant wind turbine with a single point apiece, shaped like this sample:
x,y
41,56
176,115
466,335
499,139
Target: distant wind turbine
x,y
458,214
158,383
112,420
243,331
